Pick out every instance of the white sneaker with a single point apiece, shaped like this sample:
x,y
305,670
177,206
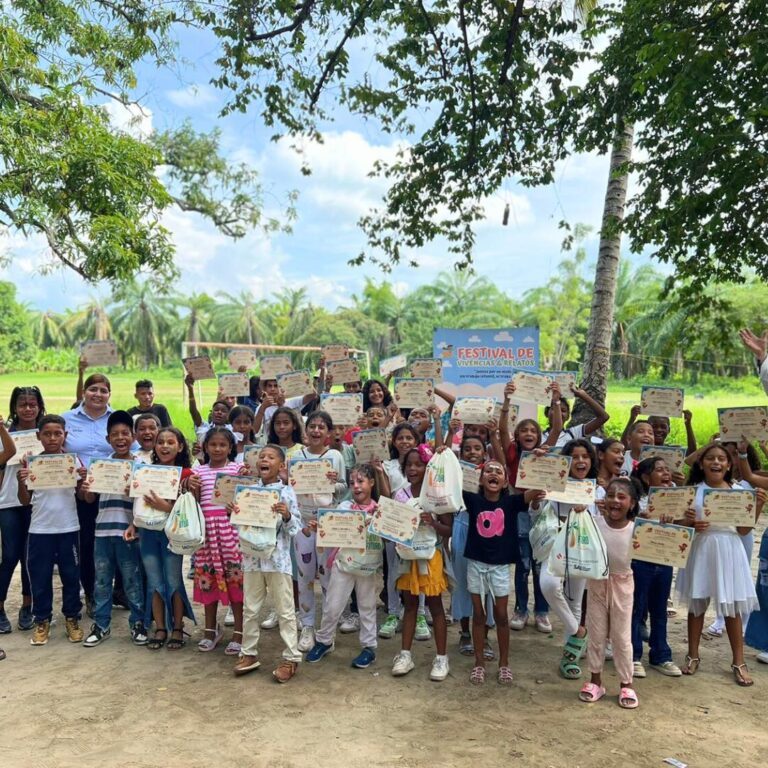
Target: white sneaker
x,y
518,621
440,669
762,657
715,629
229,619
306,639
543,624
402,664
668,668
639,669
422,632
609,651
349,623
270,622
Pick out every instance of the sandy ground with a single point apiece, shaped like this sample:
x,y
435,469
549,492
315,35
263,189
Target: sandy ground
x,y
64,705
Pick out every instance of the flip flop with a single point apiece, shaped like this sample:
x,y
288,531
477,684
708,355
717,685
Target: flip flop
x,y
590,693
574,647
738,673
628,699
569,669
691,665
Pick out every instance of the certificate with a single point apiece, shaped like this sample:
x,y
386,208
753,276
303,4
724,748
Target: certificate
x,y
532,387
333,352
670,502
395,521
371,444
52,470
199,367
250,457
309,475
27,444
344,409
343,371
673,455
470,477
474,410
161,479
254,506
224,487
99,353
414,393
566,380
662,401
295,384
234,385
389,365
750,422
580,493
512,416
271,365
241,358
546,473
343,528
110,476
729,507
426,368
661,543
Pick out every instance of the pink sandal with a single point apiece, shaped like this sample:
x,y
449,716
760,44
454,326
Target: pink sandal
x,y
207,644
505,676
590,693
628,699
477,676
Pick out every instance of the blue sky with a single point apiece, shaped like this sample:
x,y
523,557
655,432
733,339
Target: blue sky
x,y
325,236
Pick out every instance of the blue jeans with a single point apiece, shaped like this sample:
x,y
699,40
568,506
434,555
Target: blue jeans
x,y
14,527
43,551
757,627
112,553
522,571
164,575
652,587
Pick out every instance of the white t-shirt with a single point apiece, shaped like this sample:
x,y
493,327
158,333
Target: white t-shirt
x,y
295,403
9,490
572,433
54,511
395,474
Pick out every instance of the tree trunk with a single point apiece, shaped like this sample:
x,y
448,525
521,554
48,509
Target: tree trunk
x,y
597,357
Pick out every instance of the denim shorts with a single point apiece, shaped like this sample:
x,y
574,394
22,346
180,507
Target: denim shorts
x,y
483,579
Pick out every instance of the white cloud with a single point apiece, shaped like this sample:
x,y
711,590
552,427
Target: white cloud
x,y
474,339
131,118
442,345
195,95
520,211
447,364
503,336
529,340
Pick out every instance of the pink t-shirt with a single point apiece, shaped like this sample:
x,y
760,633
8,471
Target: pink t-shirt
x,y
618,542
207,475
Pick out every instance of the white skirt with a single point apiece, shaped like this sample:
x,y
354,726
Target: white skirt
x,y
718,572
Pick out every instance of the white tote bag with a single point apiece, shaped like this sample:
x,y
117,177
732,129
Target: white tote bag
x,y
543,532
148,517
185,526
441,491
579,549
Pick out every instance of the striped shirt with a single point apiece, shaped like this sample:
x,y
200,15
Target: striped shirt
x,y
115,514
207,475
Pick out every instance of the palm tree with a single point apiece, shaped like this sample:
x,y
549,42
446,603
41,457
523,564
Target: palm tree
x,y
198,321
90,322
48,330
238,319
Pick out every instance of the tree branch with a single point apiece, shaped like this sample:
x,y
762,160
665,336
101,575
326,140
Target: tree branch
x,y
305,10
471,76
514,28
438,45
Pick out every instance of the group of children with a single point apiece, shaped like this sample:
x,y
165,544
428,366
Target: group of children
x,y
469,552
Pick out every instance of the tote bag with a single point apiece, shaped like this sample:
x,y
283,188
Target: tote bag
x,y
185,526
579,549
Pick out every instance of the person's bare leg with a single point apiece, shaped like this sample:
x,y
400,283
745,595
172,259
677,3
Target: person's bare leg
x,y
695,627
733,627
439,624
501,614
410,608
478,629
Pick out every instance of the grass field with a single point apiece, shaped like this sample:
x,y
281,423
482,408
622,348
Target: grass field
x,y
59,392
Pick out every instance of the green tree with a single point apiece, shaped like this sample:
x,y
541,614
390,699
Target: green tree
x,y
15,328
88,322
48,329
238,318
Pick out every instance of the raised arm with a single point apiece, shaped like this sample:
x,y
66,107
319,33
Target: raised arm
x,y
8,446
689,435
555,416
633,414
601,415
197,420
82,364
496,447
506,438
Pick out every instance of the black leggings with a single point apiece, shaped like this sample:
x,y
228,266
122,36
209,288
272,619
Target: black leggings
x,y
86,514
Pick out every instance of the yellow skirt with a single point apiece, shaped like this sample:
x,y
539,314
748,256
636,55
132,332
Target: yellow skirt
x,y
431,584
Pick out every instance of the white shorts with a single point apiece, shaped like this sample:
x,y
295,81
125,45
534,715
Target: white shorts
x,y
484,579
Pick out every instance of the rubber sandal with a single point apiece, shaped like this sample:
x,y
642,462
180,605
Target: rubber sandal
x,y
691,665
233,648
207,644
569,669
488,653
505,676
155,643
739,675
177,643
590,693
574,647
477,675
628,699
465,644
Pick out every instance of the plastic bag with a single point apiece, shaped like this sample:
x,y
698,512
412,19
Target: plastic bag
x,y
441,491
257,541
148,517
423,544
185,526
542,534
579,549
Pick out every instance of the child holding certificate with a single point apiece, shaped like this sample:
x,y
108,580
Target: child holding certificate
x,y
609,606
166,599
218,416
53,539
269,573
241,421
285,430
576,431
218,569
640,434
354,569
718,570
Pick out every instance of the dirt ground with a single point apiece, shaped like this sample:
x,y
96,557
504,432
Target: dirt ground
x,y
64,705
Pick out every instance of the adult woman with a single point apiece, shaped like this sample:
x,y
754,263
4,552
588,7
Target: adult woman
x,y
87,437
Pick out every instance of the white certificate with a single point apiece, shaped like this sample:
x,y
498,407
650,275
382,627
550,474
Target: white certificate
x,y
163,480
234,385
333,352
99,353
395,521
566,380
662,401
546,473
750,422
110,476
580,493
414,393
661,543
389,365
673,455
225,485
670,502
470,477
426,368
532,387
250,457
199,367
27,444
729,507
241,358
342,528
344,409
512,416
272,365
343,371
310,476
370,445
254,506
295,384
474,410
52,470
